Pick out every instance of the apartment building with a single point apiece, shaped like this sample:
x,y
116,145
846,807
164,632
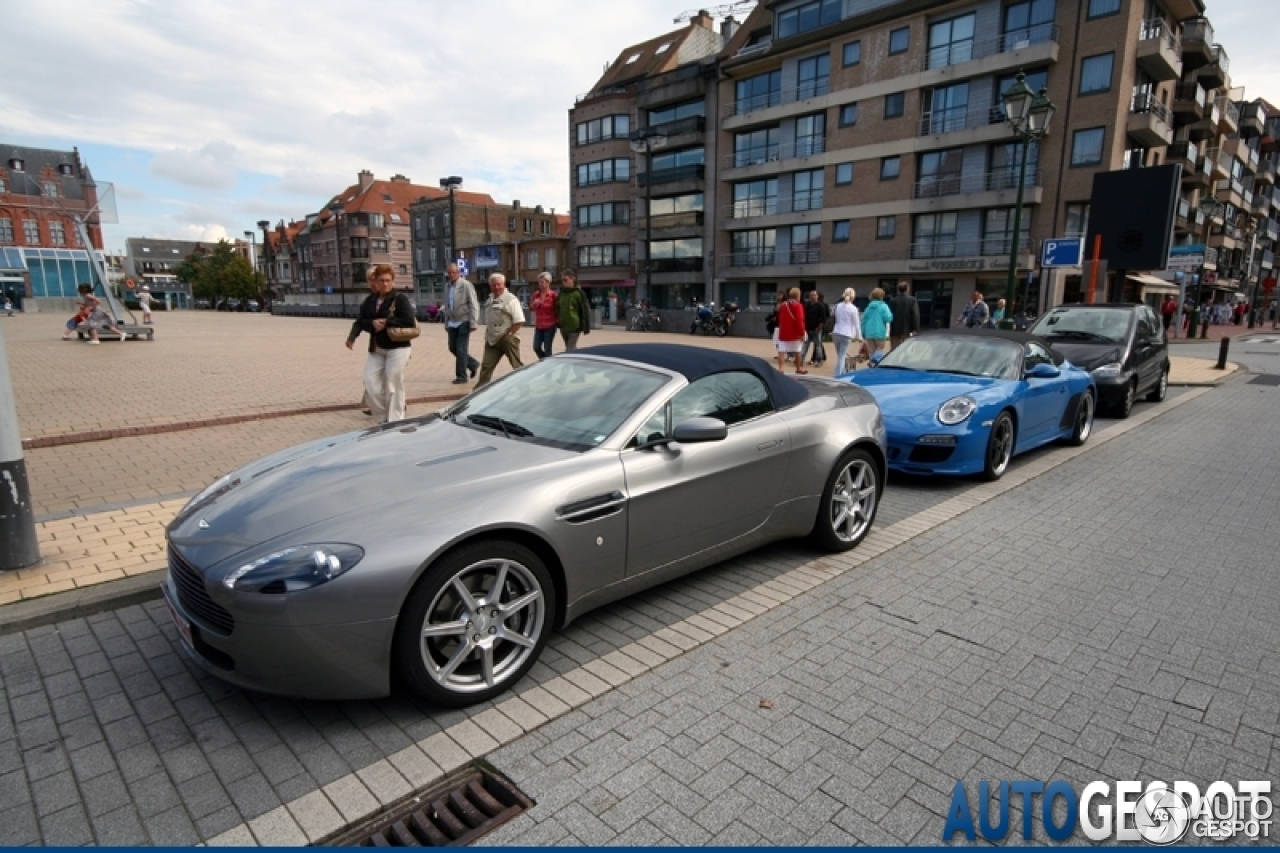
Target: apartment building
x,y
278,256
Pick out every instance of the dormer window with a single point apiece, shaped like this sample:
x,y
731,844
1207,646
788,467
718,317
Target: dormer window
x,y
16,164
632,58
50,189
66,169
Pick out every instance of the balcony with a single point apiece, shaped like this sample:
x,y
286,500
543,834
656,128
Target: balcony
x,y
938,122
674,264
692,124
806,146
1268,260
1197,43
1252,120
1213,75
1184,153
1266,171
1272,229
1261,200
1228,115
1207,126
752,208
687,219
671,176
1219,162
772,258
1159,53
1183,220
1149,123
947,246
1189,102
967,51
937,186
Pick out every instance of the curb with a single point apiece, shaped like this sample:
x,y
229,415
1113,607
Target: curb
x,y
77,604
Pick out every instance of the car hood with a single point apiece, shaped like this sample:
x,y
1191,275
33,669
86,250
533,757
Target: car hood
x,y
1087,355
908,393
426,461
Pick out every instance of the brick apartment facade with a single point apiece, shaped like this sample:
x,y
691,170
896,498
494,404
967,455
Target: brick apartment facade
x,y
858,142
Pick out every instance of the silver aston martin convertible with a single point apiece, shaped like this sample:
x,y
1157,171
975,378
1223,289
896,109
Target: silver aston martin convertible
x,y
442,551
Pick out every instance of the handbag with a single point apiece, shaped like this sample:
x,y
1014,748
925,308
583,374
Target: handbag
x,y
401,334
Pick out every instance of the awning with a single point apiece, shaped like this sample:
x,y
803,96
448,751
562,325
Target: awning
x,y
1152,283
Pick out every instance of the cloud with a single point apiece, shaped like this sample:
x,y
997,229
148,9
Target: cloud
x,y
211,167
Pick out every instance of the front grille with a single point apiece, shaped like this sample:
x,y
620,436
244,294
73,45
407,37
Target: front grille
x,y
931,454
194,598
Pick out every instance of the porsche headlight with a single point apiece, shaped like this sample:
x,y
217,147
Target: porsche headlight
x,y
1108,371
294,569
957,410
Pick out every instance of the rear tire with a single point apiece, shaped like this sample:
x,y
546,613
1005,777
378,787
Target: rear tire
x,y
1161,388
1084,421
849,502
999,448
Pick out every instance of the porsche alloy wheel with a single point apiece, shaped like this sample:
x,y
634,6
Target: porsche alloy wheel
x,y
1084,421
849,502
999,448
475,623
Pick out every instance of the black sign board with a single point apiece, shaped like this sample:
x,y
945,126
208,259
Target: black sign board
x,y
1133,210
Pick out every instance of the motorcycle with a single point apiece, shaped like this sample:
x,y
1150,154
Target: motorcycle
x,y
709,321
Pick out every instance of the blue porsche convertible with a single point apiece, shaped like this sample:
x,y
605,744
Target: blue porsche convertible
x,y
966,402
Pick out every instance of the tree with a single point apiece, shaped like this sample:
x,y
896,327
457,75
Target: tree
x,y
219,273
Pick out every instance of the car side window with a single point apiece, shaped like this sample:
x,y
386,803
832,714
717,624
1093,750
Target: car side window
x,y
1149,327
732,397
1035,354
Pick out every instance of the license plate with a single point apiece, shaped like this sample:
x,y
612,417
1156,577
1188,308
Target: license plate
x,y
183,626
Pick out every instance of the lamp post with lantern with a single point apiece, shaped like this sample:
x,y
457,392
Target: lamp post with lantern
x,y
1211,208
1028,115
338,210
643,142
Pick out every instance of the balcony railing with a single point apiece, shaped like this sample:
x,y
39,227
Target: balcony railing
x,y
1190,93
771,205
1228,110
936,122
1184,209
965,51
670,176
1157,28
947,246
937,186
812,88
675,264
691,124
1147,102
1221,59
1197,30
773,257
805,146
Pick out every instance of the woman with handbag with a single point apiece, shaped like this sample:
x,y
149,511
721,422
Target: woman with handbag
x,y
387,315
791,332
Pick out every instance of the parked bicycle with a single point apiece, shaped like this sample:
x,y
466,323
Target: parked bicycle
x,y
645,319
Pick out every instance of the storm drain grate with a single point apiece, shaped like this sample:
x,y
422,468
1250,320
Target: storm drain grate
x,y
453,815
1272,379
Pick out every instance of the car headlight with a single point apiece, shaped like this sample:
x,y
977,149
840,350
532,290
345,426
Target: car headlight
x,y
957,410
294,569
1114,370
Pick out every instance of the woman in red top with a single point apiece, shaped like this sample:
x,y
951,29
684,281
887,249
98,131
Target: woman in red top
x,y
545,316
791,334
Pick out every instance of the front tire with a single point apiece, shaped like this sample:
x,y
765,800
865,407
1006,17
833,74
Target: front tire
x,y
849,502
475,623
999,448
1124,408
1084,421
1161,388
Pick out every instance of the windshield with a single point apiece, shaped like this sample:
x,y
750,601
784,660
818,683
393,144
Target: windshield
x,y
1084,324
962,355
564,402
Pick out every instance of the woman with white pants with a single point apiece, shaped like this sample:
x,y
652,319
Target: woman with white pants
x,y
384,369
848,328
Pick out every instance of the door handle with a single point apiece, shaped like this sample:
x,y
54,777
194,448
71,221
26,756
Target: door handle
x,y
768,445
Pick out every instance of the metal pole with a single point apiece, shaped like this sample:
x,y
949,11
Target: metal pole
x,y
1194,325
1011,285
1253,291
648,219
337,239
19,546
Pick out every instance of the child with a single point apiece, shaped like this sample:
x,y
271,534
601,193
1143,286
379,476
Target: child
x,y
80,316
8,306
96,318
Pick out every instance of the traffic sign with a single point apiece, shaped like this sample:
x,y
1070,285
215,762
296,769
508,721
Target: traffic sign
x,y
1062,252
462,266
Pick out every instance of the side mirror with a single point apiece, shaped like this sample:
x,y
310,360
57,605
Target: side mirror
x,y
876,357
1043,371
696,430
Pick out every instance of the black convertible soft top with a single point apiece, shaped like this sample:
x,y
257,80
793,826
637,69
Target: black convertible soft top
x,y
696,362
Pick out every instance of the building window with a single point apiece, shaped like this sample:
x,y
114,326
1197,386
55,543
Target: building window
x,y
528,226
50,188
1026,23
1098,8
755,147
431,226
939,173
753,248
806,243
848,115
758,92
1077,220
609,127
679,159
814,76
1134,158
840,231
435,262
551,259
608,255
530,259
1095,73
31,232
886,227
811,134
949,109
4,188
684,249
1035,80
6,230
895,105
755,198
807,190
899,40
57,236
844,174
889,168
688,203
951,41
808,17
1086,146
935,236
851,53
400,245
511,223
1006,164
403,269
997,230
676,112
603,171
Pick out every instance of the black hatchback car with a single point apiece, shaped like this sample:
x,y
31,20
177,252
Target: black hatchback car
x,y
1122,345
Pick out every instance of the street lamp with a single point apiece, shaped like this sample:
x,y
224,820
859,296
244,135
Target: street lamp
x,y
1028,115
267,259
450,184
1254,227
1210,207
643,142
337,210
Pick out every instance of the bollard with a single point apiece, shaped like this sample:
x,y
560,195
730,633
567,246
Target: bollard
x,y
1223,348
19,546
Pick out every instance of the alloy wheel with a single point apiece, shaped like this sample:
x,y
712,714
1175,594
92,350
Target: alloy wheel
x,y
1000,448
853,501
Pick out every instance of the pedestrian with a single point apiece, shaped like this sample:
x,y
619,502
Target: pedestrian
x,y
815,322
875,323
906,315
545,304
461,316
94,317
771,323
573,312
998,315
848,329
8,307
503,318
976,314
791,330
144,302
384,368
1168,309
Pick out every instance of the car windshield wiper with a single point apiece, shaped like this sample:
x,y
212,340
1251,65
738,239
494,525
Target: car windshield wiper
x,y
508,428
894,366
1075,333
957,372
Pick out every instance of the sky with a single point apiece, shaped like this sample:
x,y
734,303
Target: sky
x,y
210,116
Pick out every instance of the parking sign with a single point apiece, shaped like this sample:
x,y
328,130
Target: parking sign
x,y
462,266
1062,252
